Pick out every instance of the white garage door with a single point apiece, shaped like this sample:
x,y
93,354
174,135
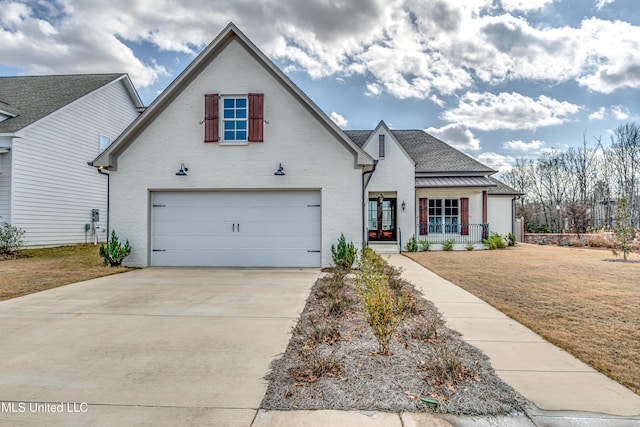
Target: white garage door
x,y
236,229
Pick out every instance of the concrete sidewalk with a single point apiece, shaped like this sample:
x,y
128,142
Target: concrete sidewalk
x,y
546,375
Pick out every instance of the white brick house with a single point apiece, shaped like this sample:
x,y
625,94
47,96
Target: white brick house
x,y
233,165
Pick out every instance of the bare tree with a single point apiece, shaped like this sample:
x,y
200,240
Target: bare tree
x,y
624,158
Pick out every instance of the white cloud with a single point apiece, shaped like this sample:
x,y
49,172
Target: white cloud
x,y
525,5
497,161
488,112
619,112
602,3
520,145
406,48
456,135
338,119
598,115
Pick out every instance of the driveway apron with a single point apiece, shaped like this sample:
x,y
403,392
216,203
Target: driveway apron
x,y
155,346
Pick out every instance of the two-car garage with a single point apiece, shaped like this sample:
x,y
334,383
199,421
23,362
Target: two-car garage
x,y
236,228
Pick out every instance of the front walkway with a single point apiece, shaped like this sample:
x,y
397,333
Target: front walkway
x,y
546,375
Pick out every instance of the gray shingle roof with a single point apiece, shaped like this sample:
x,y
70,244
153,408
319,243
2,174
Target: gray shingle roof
x,y
34,97
429,153
502,189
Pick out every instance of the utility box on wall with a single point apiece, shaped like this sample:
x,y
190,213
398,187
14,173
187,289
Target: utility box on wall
x,y
95,215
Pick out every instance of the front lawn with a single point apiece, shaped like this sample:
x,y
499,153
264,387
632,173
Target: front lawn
x,y
35,270
583,300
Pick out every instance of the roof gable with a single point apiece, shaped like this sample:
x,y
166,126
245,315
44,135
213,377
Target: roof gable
x,y
431,155
31,98
382,126
108,158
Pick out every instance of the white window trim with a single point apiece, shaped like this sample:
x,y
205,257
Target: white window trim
x,y
222,140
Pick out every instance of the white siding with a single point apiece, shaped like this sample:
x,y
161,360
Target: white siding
x,y
394,176
53,188
499,214
5,182
312,158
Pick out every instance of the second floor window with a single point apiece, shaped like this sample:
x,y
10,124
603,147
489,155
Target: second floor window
x,y
234,119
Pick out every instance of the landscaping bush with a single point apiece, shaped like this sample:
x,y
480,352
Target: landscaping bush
x,y
470,246
511,239
10,238
447,245
114,252
600,240
425,245
383,310
344,255
495,241
412,244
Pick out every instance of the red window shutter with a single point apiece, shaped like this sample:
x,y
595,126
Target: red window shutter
x,y
256,117
464,216
424,216
211,118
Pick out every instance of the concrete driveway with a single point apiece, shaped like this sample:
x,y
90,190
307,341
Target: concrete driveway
x,y
154,346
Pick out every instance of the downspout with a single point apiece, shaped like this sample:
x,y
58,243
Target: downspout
x,y
513,215
364,186
101,171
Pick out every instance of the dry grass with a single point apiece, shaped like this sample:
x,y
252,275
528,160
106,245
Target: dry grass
x,y
574,297
35,270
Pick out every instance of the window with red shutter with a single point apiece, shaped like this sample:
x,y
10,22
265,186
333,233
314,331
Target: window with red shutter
x,y
211,120
256,117
464,216
424,216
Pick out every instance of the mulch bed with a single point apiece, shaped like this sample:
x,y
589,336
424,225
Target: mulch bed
x,y
332,362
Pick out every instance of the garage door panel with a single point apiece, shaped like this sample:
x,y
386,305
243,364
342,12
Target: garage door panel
x,y
261,229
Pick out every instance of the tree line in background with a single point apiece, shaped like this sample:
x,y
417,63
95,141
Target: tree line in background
x,y
579,190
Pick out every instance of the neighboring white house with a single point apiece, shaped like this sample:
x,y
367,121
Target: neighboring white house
x,y
233,165
50,127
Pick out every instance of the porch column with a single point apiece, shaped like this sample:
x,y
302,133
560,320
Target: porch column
x,y
484,206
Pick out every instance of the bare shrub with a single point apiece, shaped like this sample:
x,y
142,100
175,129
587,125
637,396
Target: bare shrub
x,y
600,240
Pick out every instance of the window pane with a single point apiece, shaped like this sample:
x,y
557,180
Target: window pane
x,y
241,125
241,113
241,103
229,125
229,135
229,103
228,114
241,135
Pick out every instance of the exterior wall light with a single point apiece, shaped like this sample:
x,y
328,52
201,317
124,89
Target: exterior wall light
x,y
404,205
183,170
280,171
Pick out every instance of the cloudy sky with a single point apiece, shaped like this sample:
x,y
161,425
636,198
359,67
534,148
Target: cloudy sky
x,y
499,79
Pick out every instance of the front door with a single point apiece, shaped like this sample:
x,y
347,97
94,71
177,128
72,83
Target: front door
x,y
382,219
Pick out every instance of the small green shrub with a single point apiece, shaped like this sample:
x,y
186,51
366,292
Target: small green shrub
x,y
425,245
495,241
344,255
10,238
470,246
511,239
447,245
381,309
412,244
114,252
